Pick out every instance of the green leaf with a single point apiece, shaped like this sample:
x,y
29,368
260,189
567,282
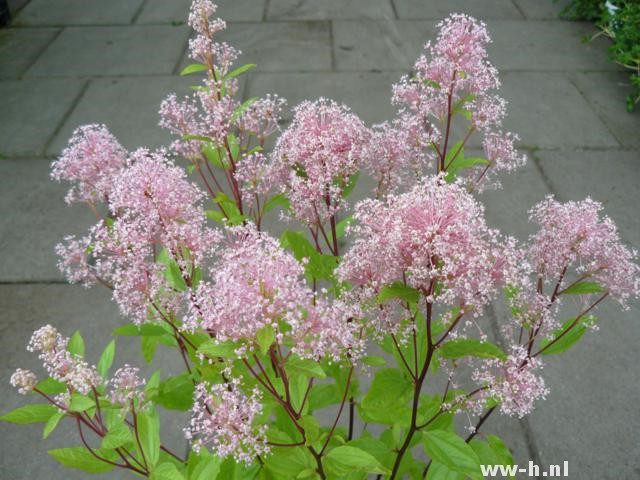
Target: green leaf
x,y
342,225
81,403
438,471
76,344
373,361
166,471
289,462
213,155
149,345
32,413
214,348
176,393
452,451
51,386
311,428
106,359
463,347
81,459
173,274
566,340
297,388
149,433
400,291
346,459
117,437
583,288
216,215
207,468
145,330
351,185
305,367
239,71
265,338
278,200
243,107
193,68
322,396
318,266
386,400
52,423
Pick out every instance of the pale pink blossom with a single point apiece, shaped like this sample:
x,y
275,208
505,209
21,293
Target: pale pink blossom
x,y
126,387
24,380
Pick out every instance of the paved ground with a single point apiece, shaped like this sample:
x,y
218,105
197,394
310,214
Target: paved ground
x,y
68,62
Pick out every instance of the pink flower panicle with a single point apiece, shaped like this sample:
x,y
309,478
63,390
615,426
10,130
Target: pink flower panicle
x,y
513,382
315,156
62,365
262,117
24,380
572,236
223,419
91,160
126,387
435,232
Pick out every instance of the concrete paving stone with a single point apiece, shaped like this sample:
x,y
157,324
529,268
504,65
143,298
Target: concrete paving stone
x,y
282,46
379,45
547,111
19,47
129,107
77,12
507,207
131,50
30,111
543,45
541,9
589,419
368,94
438,9
607,92
34,219
168,11
26,308
328,9
609,176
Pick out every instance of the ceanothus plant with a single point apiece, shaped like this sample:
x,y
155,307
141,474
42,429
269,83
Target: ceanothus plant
x,y
274,334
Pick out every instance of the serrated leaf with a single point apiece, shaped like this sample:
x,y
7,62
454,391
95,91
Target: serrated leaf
x,y
374,361
149,433
342,225
106,359
305,367
173,274
565,340
32,413
213,348
166,471
81,403
148,346
81,459
243,108
463,347
117,437
452,451
193,68
176,393
146,330
399,291
346,459
208,468
52,423
265,338
278,200
239,71
51,386
583,288
76,344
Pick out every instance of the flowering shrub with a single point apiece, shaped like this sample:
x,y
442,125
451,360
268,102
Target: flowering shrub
x,y
274,334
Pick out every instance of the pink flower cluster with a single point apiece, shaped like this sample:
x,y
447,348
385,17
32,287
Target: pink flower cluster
x,y
61,365
257,284
513,382
24,380
454,76
223,419
126,387
573,237
90,161
316,155
436,232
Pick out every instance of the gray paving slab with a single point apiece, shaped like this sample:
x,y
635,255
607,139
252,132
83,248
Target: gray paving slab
x,y
77,12
589,419
369,45
541,9
607,92
131,50
328,9
282,46
368,95
19,48
438,9
506,208
128,106
547,111
610,177
168,11
31,110
34,219
69,308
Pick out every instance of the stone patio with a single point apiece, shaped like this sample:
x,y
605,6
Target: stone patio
x,y
68,62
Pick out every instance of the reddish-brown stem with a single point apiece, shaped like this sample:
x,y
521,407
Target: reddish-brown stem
x,y
404,361
137,435
335,423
